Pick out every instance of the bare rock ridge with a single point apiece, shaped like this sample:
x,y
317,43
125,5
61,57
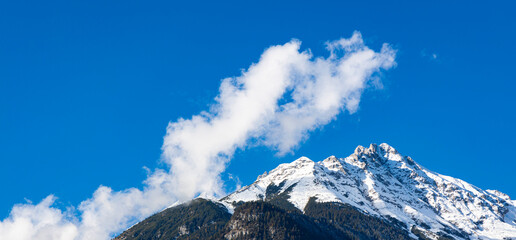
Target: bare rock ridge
x,y
375,193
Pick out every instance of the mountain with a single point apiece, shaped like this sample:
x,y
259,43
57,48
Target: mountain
x,y
197,219
206,219
375,193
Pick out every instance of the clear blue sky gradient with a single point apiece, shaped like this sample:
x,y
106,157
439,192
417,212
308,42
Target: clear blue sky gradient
x,y
87,88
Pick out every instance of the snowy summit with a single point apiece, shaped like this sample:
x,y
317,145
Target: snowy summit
x,y
381,182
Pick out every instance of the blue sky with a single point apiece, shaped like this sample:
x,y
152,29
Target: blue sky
x,y
88,88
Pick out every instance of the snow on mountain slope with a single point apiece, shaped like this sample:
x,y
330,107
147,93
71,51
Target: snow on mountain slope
x,y
381,182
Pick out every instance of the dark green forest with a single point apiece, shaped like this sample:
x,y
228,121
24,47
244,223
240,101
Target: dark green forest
x,y
273,218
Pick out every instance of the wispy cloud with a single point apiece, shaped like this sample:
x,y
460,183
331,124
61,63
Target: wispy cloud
x,y
429,55
276,102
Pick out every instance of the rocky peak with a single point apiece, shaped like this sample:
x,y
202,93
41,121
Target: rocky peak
x,y
374,156
381,182
333,163
387,148
302,160
360,149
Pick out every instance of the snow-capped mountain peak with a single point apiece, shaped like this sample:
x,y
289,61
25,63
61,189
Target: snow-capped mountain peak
x,y
381,182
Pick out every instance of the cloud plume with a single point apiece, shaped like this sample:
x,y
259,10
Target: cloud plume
x,y
249,108
276,102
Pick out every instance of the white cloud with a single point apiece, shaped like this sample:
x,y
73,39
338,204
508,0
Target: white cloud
x,y
40,221
276,102
248,108
432,56
109,211
330,85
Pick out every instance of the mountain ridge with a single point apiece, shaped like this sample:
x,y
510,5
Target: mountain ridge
x,y
376,183
382,182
